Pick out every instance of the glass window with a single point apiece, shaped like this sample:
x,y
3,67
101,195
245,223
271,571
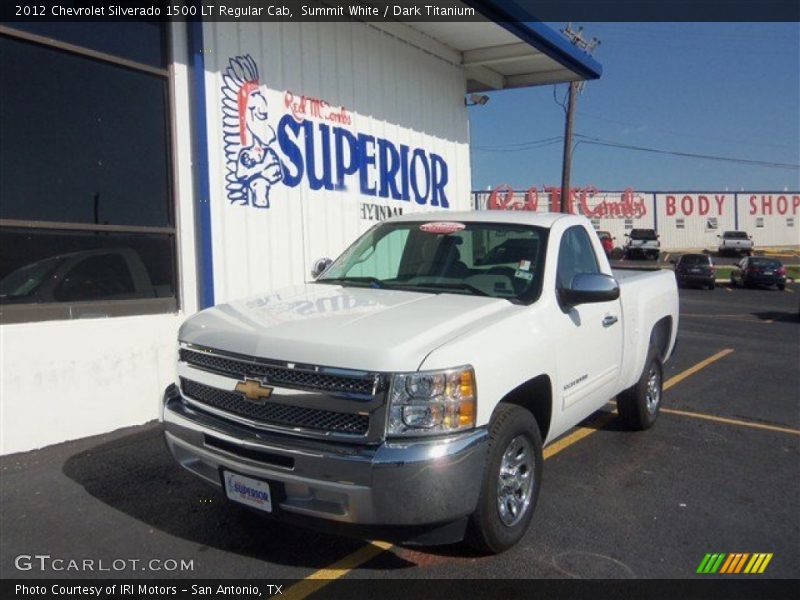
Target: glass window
x,y
483,259
42,265
112,37
83,141
86,218
576,255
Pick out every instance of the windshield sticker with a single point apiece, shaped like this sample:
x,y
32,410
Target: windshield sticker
x,y
525,265
441,227
523,275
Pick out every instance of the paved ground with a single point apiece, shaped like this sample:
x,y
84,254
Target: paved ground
x,y
614,504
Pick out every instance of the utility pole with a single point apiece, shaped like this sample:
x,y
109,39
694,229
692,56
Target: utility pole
x,y
566,165
576,37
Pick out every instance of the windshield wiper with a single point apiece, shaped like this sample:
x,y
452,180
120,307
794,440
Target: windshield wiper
x,y
370,281
454,286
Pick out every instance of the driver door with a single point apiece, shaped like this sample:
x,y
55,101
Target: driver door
x,y
589,352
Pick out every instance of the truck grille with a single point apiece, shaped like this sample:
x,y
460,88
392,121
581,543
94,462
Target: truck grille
x,y
280,376
271,413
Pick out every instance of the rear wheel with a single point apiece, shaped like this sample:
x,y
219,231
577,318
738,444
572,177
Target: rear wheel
x,y
712,285
511,481
638,406
781,286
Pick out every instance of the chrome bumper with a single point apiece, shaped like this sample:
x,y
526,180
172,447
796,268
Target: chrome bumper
x,y
394,483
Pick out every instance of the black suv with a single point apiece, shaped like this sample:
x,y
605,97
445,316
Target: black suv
x,y
695,269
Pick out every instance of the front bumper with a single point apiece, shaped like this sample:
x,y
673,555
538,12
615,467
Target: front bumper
x,y
414,482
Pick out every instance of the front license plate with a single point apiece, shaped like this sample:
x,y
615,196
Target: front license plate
x,y
247,490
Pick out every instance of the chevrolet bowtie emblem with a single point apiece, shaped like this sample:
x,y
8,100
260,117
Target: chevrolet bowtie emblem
x,y
254,390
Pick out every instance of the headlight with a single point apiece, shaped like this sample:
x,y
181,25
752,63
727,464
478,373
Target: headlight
x,y
432,402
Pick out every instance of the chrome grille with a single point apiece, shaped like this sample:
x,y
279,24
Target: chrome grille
x,y
272,413
280,376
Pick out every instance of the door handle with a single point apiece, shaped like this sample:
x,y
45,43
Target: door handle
x,y
609,320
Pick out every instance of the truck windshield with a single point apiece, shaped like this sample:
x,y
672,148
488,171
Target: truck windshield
x,y
481,259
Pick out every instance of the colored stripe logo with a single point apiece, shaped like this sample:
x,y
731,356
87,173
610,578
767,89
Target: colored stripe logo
x,y
734,563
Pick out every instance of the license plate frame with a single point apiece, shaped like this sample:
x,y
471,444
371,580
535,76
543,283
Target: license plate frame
x,y
252,492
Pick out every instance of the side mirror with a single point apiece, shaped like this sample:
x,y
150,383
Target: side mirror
x,y
320,266
589,287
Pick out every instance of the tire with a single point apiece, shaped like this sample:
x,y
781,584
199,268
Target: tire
x,y
733,282
512,428
638,406
781,286
712,285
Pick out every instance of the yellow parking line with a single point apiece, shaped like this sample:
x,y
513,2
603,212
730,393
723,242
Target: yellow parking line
x,y
739,422
692,370
319,579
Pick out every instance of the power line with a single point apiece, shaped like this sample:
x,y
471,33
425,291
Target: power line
x,y
519,149
742,161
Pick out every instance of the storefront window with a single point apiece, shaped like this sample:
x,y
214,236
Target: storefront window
x,y
86,220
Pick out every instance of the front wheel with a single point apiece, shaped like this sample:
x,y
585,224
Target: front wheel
x,y
511,481
638,406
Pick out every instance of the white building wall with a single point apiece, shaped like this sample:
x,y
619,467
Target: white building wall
x,y
694,220
771,218
389,89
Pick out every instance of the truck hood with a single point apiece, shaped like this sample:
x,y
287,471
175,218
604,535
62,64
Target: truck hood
x,y
329,325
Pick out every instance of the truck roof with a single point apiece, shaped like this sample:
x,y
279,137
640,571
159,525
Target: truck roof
x,y
518,217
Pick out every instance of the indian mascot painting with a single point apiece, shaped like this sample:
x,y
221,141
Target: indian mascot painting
x,y
253,166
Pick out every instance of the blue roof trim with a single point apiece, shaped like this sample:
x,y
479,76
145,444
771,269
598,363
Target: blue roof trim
x,y
516,19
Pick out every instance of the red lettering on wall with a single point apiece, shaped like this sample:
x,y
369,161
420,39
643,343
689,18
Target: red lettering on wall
x,y
782,205
766,205
670,206
720,201
753,208
703,205
795,204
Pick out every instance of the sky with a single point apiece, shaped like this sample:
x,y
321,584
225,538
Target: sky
x,y
722,89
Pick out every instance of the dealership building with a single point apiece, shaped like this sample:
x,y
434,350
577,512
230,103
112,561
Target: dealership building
x,y
149,170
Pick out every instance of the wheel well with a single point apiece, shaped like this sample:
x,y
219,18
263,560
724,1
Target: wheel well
x,y
661,335
536,396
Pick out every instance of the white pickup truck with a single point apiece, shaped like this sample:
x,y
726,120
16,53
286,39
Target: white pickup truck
x,y
414,383
735,242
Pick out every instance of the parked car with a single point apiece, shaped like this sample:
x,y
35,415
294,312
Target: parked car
x,y
735,242
758,270
695,269
607,240
642,243
415,382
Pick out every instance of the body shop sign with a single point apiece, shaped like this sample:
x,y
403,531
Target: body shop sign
x,y
315,144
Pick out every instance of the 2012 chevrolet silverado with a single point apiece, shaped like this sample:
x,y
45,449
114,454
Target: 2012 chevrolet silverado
x,y
416,380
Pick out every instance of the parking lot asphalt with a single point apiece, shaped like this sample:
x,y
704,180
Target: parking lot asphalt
x,y
719,472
